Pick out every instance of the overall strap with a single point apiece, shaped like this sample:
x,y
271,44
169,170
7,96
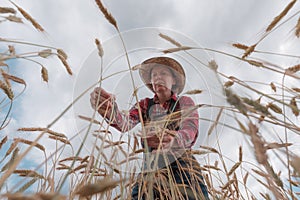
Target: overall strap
x,y
147,114
172,108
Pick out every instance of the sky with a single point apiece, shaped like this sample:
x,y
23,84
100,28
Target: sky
x,y
74,25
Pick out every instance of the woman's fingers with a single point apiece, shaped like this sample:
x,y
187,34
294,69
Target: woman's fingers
x,y
164,142
102,101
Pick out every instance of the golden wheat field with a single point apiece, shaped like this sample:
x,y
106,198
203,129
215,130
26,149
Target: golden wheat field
x,y
54,146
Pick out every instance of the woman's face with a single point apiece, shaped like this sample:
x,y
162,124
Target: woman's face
x,y
162,79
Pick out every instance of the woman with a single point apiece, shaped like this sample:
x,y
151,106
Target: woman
x,y
170,130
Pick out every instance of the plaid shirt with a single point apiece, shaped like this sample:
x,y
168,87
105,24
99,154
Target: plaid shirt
x,y
187,130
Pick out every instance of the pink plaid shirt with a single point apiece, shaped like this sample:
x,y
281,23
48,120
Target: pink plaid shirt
x,y
187,132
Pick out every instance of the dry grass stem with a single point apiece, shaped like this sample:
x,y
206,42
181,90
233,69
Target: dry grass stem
x,y
98,187
56,134
276,145
63,140
249,50
44,73
295,162
79,167
296,89
43,129
293,69
257,106
24,141
240,46
136,67
137,152
7,90
45,53
294,107
106,14
29,18
76,158
7,76
235,100
50,196
28,173
216,121
7,10
280,16
89,119
228,84
12,160
274,107
213,65
245,178
12,147
259,145
99,47
228,184
297,28
3,141
11,49
234,167
273,86
13,18
65,63
62,53
240,154
191,92
27,185
211,149
173,50
168,38
254,63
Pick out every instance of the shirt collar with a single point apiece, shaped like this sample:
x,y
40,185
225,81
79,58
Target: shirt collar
x,y
173,96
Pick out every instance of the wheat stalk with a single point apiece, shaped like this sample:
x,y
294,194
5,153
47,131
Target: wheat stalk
x,y
63,140
27,185
65,63
12,159
37,145
29,18
173,50
168,38
7,76
293,69
234,167
294,107
62,53
7,10
28,173
98,187
280,16
99,47
240,46
106,14
7,90
44,73
297,28
3,141
249,50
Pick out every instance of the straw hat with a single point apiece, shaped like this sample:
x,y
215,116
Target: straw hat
x,y
177,70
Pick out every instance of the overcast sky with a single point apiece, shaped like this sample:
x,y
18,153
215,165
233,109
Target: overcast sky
x,y
74,25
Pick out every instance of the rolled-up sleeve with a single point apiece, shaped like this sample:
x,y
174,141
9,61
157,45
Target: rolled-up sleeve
x,y
189,127
125,121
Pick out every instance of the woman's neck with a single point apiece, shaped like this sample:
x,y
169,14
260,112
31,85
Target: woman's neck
x,y
163,97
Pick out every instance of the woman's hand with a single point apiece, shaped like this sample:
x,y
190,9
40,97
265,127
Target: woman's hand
x,y
102,101
163,140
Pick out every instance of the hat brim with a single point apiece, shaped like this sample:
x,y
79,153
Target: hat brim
x,y
146,67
